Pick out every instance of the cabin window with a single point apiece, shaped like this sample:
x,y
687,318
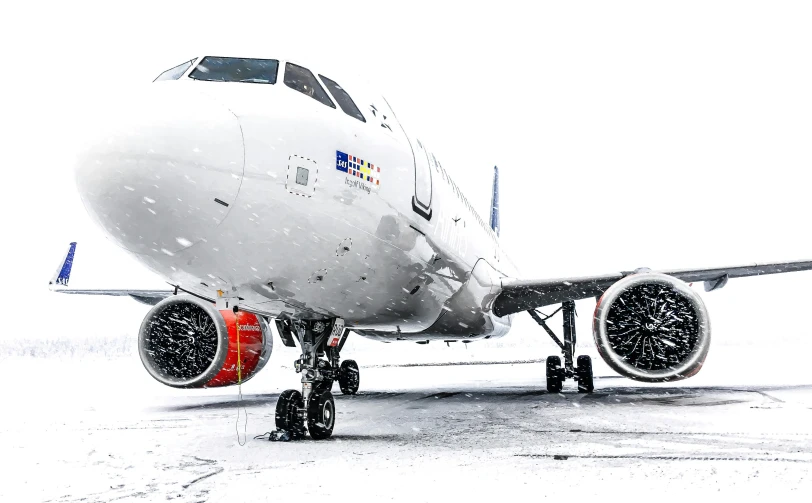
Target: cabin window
x,y
343,99
252,71
301,79
176,72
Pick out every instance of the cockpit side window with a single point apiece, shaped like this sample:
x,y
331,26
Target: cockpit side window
x,y
343,99
176,72
254,71
303,80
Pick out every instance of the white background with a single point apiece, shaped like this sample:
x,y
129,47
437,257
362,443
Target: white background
x,y
628,134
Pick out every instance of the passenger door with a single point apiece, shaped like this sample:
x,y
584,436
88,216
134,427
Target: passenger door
x,y
421,201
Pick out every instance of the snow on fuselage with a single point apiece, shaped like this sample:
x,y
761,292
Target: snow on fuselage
x,y
269,192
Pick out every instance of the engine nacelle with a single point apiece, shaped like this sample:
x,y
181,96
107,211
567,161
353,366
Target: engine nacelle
x,y
652,327
184,342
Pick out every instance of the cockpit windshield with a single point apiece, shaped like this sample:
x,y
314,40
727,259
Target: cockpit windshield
x,y
301,79
217,69
343,99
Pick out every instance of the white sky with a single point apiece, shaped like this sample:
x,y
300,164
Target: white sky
x,y
628,134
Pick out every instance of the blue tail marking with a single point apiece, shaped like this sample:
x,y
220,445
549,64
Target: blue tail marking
x,y
62,275
495,202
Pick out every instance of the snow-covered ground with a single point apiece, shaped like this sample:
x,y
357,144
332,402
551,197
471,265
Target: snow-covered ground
x,y
95,427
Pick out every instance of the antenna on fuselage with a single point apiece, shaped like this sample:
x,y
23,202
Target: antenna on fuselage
x,y
495,202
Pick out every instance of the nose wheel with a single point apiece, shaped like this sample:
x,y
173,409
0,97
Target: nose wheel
x,y
556,373
321,410
289,407
319,416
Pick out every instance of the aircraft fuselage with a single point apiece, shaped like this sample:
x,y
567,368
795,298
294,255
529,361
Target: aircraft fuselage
x,y
295,207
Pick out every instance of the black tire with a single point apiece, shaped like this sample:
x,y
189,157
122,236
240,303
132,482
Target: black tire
x,y
321,414
349,377
584,371
555,381
287,411
325,385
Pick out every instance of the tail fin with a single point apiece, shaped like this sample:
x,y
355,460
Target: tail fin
x,y
495,202
62,275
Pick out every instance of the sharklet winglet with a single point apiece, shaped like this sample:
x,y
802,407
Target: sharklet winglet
x,y
62,274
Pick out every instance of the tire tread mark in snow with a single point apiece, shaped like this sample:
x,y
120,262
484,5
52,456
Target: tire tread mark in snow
x,y
699,404
765,395
452,364
443,394
663,458
139,428
676,433
215,472
139,494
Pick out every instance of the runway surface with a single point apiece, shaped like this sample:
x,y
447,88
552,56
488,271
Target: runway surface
x,y
100,430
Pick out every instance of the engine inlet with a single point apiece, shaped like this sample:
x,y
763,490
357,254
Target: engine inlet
x,y
652,327
182,341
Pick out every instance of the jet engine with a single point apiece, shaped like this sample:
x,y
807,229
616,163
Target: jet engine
x,y
184,342
652,327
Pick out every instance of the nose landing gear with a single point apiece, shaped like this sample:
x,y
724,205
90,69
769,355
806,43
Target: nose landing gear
x,y
313,410
556,374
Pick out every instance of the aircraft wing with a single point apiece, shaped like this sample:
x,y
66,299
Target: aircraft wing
x,y
149,297
521,295
60,280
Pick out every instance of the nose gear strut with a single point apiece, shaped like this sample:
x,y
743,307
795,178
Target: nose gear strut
x,y
313,409
556,374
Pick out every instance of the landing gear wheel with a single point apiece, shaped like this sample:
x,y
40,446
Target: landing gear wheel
x,y
555,374
325,385
584,374
349,377
321,414
287,412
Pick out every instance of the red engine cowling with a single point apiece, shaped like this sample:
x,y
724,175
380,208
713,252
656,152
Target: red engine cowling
x,y
184,342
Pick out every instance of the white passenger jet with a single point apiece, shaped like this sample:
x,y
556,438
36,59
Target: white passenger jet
x,y
264,189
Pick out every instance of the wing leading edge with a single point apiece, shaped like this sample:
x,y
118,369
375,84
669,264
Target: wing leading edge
x,y
60,281
149,297
521,295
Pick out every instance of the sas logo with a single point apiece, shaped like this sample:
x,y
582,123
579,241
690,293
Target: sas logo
x,y
356,167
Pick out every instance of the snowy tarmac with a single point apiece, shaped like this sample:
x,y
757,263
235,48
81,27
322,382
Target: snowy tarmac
x,y
96,430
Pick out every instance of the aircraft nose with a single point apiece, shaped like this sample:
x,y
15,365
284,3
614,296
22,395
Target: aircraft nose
x,y
162,169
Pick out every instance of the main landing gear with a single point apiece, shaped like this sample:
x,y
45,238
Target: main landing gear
x,y
556,374
313,409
